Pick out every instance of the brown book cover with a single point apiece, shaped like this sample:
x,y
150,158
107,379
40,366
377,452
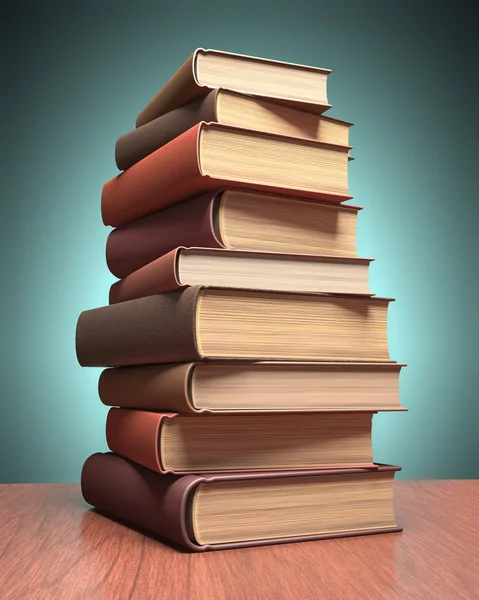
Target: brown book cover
x,y
160,504
171,387
136,435
162,275
156,329
173,173
135,145
162,328
155,387
190,223
184,87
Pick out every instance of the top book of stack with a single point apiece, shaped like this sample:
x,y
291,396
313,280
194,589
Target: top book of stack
x,y
288,83
220,153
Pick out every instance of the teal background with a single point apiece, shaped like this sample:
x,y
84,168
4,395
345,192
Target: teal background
x,y
74,78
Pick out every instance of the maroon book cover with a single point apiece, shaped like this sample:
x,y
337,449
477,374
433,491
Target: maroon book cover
x,y
161,504
191,223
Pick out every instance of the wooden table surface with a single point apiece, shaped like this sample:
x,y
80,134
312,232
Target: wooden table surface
x,y
53,547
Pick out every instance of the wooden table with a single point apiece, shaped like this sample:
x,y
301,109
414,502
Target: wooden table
x,y
53,547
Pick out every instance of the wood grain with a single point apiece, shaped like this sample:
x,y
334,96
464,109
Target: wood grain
x,y
53,547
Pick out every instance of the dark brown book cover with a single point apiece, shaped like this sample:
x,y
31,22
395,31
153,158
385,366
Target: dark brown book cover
x,y
173,173
135,145
159,504
162,329
190,223
169,387
156,329
135,434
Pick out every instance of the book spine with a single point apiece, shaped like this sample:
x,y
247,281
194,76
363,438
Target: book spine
x,y
178,90
153,387
135,434
156,329
139,143
123,490
190,224
157,277
168,175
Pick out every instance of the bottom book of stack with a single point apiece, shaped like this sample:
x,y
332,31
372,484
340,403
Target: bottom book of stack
x,y
234,509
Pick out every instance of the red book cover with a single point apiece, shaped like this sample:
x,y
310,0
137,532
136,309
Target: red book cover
x,y
173,173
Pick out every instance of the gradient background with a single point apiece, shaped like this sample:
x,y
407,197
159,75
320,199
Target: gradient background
x,y
74,78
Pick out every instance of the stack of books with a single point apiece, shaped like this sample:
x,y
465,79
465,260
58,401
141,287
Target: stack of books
x,y
246,353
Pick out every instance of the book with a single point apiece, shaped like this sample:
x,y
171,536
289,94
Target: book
x,y
216,323
288,83
240,269
228,108
176,443
219,511
237,220
222,387
209,156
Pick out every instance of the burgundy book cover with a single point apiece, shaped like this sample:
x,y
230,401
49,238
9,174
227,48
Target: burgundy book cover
x,y
131,246
190,223
162,329
135,145
173,173
159,504
135,434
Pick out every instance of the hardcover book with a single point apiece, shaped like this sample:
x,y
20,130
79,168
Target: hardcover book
x,y
216,323
205,70
225,387
169,442
228,108
239,269
237,220
233,510
210,156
